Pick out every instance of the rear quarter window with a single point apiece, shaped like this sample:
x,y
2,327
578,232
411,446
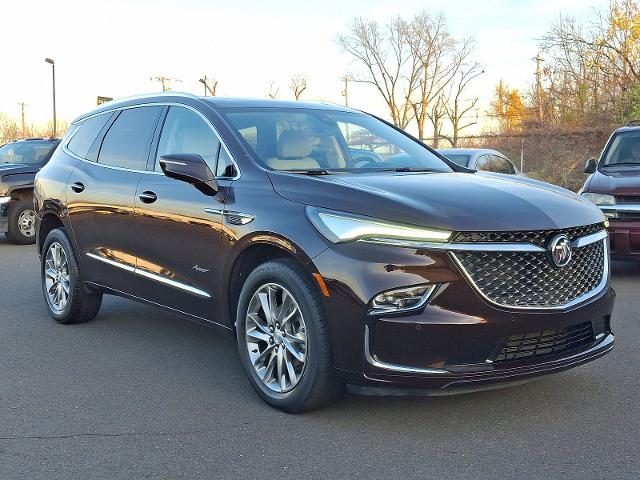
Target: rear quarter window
x,y
83,139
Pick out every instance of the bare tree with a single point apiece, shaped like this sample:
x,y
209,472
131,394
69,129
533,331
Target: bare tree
x,y
456,105
298,85
592,68
434,50
436,114
385,53
273,90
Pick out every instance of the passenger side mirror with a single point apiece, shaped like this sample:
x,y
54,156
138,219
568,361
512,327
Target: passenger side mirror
x,y
190,168
590,166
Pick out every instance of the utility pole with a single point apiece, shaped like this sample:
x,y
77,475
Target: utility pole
x,y
22,105
211,87
165,81
538,60
345,92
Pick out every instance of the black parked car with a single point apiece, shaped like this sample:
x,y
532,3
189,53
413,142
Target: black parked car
x,y
19,162
330,267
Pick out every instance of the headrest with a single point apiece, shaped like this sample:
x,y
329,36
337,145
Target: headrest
x,y
294,144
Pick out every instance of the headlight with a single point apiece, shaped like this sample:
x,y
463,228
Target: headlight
x,y
600,198
4,200
340,227
402,299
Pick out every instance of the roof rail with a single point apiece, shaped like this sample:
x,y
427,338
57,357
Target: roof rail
x,y
632,123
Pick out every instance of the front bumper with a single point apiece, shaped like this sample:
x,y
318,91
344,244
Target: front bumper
x,y
452,343
625,239
4,217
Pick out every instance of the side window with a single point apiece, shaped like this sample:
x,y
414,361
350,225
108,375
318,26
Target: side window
x,y
502,165
483,163
185,131
127,142
225,167
81,142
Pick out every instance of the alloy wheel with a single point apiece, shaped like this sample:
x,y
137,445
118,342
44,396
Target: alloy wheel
x,y
27,223
56,277
276,337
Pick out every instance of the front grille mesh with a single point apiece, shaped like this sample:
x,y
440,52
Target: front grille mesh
x,y
536,237
528,279
545,342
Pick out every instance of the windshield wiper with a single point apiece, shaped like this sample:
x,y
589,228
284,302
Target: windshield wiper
x,y
310,171
637,164
406,169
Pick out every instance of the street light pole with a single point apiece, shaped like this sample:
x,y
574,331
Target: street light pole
x,y
53,72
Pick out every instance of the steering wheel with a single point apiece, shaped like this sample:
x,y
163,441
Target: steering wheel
x,y
360,162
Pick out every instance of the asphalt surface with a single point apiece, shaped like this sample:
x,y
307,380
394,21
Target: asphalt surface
x,y
139,393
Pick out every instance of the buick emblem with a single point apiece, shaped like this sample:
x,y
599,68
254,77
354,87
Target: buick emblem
x,y
560,250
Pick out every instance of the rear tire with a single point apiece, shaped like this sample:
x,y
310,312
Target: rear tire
x,y
67,299
297,343
21,223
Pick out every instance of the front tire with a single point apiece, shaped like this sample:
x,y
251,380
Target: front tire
x,y
283,338
21,223
64,292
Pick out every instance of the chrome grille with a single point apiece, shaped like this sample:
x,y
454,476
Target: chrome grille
x,y
530,280
535,237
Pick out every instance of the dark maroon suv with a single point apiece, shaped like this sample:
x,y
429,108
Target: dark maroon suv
x,y
614,186
335,247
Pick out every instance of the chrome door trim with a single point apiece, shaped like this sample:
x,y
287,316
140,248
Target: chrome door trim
x,y
151,276
244,218
375,362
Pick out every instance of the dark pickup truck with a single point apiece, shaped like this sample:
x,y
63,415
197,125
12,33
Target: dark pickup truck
x,y
19,162
614,186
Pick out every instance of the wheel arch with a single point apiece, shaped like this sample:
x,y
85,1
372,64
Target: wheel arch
x,y
49,221
251,252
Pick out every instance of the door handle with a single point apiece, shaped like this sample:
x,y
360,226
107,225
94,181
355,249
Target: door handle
x,y
77,187
148,197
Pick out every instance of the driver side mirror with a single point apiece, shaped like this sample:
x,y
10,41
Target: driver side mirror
x,y
190,168
590,166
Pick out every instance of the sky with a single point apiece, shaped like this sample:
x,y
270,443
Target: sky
x,y
114,48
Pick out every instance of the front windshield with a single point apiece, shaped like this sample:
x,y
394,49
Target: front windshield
x,y
624,151
462,160
29,152
295,139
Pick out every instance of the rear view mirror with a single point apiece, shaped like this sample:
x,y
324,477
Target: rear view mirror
x,y
590,166
190,168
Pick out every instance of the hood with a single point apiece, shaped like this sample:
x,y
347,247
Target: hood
x,y
626,182
452,201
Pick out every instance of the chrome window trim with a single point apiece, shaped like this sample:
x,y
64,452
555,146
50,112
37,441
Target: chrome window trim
x,y
626,207
152,276
158,104
582,298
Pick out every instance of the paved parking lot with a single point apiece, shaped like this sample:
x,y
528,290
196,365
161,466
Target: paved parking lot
x,y
139,393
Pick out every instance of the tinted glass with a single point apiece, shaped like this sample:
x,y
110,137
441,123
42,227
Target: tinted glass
x,y
303,139
462,160
624,151
185,131
127,142
86,134
494,163
31,152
